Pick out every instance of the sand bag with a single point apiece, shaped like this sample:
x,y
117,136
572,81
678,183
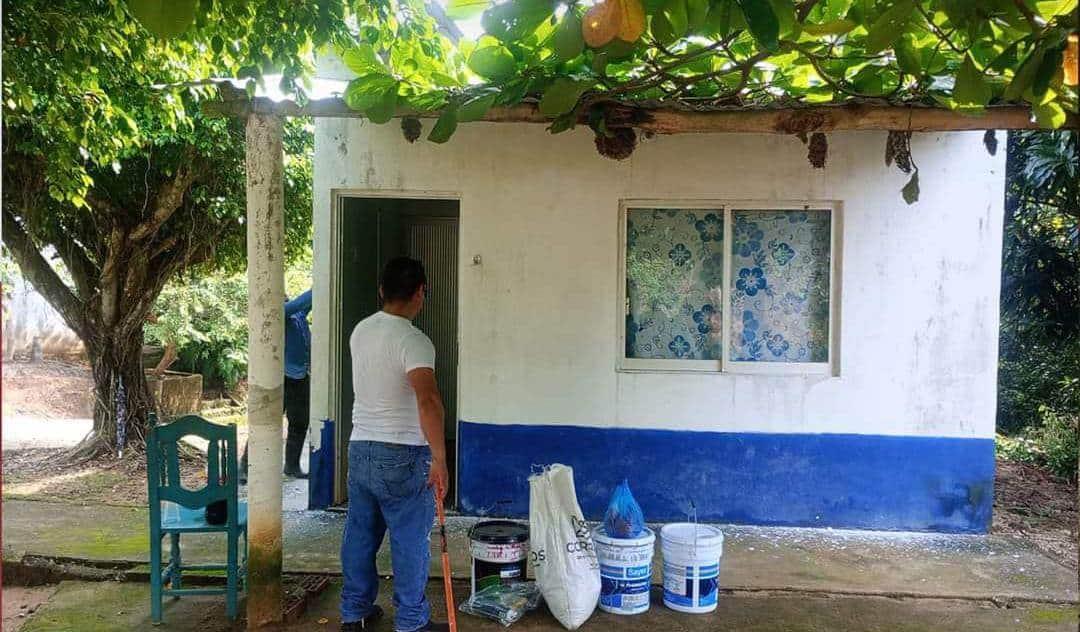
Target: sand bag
x,y
563,556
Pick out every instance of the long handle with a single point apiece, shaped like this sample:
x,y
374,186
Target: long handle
x,y
451,611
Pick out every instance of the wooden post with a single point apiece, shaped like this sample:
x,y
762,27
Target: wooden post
x,y
266,365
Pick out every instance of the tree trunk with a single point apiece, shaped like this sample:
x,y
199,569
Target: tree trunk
x,y
122,398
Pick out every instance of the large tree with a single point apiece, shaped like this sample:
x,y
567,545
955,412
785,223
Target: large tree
x,y
114,183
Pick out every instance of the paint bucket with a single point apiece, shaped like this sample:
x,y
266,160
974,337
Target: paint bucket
x,y
500,552
625,571
691,566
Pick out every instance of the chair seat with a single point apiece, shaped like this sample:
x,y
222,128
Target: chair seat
x,y
195,519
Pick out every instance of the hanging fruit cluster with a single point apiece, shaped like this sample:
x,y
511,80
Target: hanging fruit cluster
x,y
610,19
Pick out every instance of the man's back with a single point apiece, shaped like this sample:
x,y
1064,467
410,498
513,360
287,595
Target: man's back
x,y
384,349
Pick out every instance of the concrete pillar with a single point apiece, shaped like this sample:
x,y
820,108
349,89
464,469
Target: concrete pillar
x,y
266,365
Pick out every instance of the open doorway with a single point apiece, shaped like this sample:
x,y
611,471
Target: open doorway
x,y
373,230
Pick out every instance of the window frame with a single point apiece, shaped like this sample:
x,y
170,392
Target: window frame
x,y
725,365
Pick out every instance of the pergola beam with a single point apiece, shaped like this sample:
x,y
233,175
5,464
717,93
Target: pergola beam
x,y
826,118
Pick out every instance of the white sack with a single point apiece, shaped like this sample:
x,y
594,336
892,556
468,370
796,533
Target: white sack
x,y
563,556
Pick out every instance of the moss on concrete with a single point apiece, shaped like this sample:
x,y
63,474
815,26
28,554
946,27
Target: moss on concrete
x,y
1053,615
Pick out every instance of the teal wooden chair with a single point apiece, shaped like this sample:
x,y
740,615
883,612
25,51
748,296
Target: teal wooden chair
x,y
189,514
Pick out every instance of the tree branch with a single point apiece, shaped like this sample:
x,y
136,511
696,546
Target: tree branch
x,y
82,269
804,10
1028,15
169,198
42,275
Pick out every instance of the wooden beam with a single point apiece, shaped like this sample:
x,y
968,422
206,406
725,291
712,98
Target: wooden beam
x,y
825,118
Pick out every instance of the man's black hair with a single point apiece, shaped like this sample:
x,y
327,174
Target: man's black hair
x,y
401,278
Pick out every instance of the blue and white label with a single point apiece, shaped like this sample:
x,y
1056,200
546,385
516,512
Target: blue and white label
x,y
691,586
625,589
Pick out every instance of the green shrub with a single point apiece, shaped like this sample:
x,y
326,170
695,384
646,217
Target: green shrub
x,y
1051,445
206,318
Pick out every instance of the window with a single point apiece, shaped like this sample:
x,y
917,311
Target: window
x,y
736,287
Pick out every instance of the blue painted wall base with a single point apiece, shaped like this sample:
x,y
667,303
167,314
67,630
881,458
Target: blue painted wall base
x,y
814,480
321,469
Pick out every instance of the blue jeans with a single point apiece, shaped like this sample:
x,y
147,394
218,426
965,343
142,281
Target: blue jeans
x,y
388,489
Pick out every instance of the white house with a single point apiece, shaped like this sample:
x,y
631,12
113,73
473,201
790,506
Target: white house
x,y
736,333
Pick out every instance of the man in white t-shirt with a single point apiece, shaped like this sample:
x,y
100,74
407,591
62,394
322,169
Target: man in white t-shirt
x,y
397,455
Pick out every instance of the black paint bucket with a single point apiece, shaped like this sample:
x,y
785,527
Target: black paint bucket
x,y
500,552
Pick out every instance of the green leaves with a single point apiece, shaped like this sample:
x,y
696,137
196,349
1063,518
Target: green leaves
x,y
1049,115
889,25
910,192
674,12
445,126
562,96
907,57
362,60
835,27
1051,64
971,89
464,9
164,18
512,21
697,11
375,95
474,109
492,62
1025,75
763,23
568,40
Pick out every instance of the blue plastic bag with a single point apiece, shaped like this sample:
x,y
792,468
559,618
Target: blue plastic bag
x,y
623,518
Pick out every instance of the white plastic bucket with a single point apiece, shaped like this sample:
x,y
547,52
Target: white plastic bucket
x,y
692,555
625,571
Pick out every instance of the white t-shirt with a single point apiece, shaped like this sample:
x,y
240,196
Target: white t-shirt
x,y
384,348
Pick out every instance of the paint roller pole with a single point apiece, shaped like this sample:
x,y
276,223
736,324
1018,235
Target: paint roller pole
x,y
266,366
451,612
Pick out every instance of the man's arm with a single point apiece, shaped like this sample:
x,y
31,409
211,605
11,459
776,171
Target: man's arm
x,y
432,416
300,304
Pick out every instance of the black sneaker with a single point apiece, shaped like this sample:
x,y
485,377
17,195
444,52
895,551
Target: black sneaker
x,y
435,627
367,623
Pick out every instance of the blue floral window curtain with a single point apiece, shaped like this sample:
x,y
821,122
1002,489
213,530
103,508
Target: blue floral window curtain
x,y
780,286
674,283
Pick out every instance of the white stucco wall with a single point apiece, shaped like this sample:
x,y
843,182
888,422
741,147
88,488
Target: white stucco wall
x,y
920,284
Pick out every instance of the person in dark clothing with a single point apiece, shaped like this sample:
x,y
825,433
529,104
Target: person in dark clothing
x,y
297,380
297,388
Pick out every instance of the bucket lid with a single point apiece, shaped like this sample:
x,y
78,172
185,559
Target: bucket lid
x,y
688,532
499,532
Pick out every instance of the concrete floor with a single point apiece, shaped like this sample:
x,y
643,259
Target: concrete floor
x,y
814,560
109,606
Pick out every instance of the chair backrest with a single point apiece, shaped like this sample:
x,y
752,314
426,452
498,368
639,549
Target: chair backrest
x,y
163,464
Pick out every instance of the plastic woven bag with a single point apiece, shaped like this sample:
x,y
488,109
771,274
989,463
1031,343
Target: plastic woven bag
x,y
563,555
623,518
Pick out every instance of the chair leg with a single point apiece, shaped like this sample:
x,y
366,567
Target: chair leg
x,y
244,561
232,571
155,576
174,562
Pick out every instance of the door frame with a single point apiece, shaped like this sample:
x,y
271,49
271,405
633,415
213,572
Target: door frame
x,y
338,341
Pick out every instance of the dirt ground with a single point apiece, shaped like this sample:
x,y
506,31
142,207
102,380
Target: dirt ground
x,y
20,602
1038,506
49,389
44,474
